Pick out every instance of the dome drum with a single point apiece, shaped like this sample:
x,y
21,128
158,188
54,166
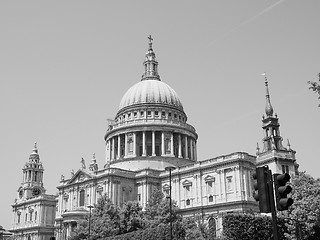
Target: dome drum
x,y
151,142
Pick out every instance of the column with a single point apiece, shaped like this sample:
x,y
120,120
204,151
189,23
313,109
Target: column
x,y
125,145
237,184
244,193
114,193
111,191
113,149
144,143
162,144
191,149
179,142
119,138
186,147
171,143
134,144
108,150
147,192
153,143
223,184
179,192
119,193
195,151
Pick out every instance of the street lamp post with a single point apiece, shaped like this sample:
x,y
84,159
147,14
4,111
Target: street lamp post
x,y
90,207
170,169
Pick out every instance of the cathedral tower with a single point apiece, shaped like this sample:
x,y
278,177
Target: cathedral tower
x,y
33,210
278,158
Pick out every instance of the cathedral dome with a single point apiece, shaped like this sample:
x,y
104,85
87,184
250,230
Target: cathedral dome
x,y
150,91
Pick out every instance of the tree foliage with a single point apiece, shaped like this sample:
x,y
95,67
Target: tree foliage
x,y
248,227
315,87
158,210
109,221
105,221
304,214
131,217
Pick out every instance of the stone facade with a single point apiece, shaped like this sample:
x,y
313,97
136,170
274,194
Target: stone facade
x,y
150,134
33,210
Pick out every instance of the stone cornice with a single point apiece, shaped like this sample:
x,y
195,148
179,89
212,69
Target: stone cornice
x,y
152,124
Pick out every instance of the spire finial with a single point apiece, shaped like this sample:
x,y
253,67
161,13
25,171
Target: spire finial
x,y
150,42
269,109
35,149
288,145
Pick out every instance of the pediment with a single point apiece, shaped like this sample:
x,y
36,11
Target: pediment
x,y
80,176
186,183
165,187
209,178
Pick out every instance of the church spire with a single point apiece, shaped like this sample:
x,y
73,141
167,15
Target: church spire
x,y
269,109
150,64
270,124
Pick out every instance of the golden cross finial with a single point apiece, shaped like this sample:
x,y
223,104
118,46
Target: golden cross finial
x,y
150,41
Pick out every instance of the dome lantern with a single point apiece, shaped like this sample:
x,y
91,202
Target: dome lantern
x,y
150,64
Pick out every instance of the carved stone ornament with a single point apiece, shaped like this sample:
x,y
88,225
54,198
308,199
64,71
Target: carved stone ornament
x,y
65,195
81,177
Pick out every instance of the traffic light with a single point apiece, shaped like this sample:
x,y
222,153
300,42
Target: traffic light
x,y
282,190
262,189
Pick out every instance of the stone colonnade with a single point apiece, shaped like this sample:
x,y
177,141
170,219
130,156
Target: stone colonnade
x,y
32,176
151,143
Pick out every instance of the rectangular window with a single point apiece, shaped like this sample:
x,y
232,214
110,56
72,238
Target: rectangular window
x,y
229,184
169,114
156,113
209,187
81,202
287,169
149,113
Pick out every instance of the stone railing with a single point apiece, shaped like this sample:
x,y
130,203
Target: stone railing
x,y
160,121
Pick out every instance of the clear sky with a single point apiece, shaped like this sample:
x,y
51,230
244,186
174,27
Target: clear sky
x,y
64,66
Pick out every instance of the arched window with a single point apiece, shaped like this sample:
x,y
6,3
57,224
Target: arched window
x,y
82,195
35,216
212,228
